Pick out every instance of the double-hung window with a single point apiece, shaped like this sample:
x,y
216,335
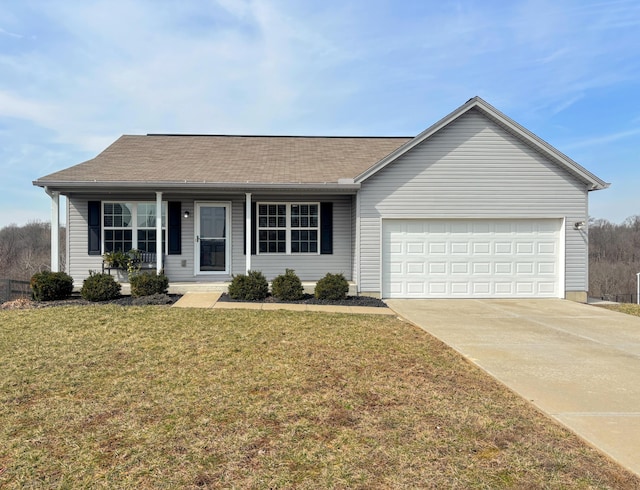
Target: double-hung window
x,y
132,225
288,228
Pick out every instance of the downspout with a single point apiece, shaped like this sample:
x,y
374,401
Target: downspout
x,y
55,229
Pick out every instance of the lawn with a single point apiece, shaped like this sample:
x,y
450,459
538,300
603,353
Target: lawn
x,y
157,397
628,308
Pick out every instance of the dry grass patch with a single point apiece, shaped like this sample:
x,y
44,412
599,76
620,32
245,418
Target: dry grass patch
x,y
144,397
628,308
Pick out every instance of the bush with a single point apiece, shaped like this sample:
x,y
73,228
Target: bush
x,y
250,287
49,286
99,287
333,287
147,284
287,286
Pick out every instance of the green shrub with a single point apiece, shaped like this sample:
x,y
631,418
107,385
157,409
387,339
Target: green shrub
x,y
99,287
147,284
287,286
332,286
49,286
250,287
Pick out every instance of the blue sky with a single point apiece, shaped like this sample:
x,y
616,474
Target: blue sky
x,y
75,75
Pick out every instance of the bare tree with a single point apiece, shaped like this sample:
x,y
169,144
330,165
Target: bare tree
x,y
25,250
614,257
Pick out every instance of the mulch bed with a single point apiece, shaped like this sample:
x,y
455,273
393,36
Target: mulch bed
x,y
156,299
309,299
169,299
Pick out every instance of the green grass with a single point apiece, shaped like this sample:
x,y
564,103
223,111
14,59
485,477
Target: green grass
x,y
153,397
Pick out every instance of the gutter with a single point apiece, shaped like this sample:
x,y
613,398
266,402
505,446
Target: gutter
x,y
343,185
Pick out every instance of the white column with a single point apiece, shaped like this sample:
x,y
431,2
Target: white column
x,y
55,229
159,247
248,225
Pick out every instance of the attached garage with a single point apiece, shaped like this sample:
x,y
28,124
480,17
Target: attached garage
x,y
472,258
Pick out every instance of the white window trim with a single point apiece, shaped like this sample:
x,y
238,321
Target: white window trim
x,y
134,223
288,228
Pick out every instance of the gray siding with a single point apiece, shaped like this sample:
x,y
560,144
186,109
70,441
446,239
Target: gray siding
x,y
180,268
473,168
79,262
308,267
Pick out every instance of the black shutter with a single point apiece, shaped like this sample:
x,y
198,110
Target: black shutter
x,y
93,224
326,227
254,225
175,228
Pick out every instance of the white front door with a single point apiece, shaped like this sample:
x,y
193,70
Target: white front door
x,y
212,244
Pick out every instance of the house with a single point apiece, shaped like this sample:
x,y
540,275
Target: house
x,y
476,206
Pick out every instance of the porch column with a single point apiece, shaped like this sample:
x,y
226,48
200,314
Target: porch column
x,y
159,248
247,213
55,229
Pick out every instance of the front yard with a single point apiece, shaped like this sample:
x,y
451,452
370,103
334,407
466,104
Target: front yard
x,y
156,397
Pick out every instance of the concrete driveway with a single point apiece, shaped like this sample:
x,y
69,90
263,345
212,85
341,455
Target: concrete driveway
x,y
578,363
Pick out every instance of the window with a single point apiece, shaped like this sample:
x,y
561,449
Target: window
x,y
129,225
288,228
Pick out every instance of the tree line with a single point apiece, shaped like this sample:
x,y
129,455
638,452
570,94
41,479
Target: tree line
x,y
25,250
614,254
614,258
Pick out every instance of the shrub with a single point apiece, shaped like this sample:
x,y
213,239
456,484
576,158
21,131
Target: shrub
x,y
250,287
287,286
49,286
332,286
99,287
147,284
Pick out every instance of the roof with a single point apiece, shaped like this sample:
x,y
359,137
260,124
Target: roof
x,y
162,161
476,103
228,160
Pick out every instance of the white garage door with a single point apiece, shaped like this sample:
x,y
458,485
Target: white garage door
x,y
471,258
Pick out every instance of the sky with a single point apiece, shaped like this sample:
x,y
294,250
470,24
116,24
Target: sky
x,y
75,75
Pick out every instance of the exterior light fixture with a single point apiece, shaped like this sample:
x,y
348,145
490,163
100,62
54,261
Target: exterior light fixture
x,y
578,225
186,214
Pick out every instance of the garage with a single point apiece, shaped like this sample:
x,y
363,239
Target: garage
x,y
472,258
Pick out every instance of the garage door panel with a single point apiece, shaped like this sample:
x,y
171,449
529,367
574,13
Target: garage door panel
x,y
503,268
481,248
459,248
416,268
471,258
548,248
437,268
437,248
524,248
460,288
547,268
504,288
481,288
480,268
460,268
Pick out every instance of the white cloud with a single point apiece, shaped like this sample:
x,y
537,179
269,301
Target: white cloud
x,y
603,140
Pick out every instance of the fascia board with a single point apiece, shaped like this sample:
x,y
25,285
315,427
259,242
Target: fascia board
x,y
95,185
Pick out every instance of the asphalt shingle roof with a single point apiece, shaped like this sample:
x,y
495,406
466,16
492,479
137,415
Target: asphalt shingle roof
x,y
230,159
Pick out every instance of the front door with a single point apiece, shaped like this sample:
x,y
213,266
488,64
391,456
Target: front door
x,y
212,238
